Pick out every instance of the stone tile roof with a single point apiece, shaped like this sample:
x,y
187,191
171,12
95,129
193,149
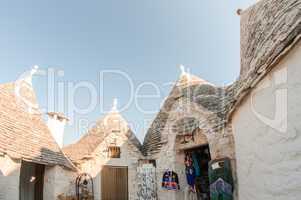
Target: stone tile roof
x,y
23,133
193,89
269,29
85,147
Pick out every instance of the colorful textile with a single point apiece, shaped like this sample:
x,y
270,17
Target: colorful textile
x,y
190,176
196,164
190,172
170,181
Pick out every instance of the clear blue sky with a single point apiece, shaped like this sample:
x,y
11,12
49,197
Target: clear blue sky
x,y
146,39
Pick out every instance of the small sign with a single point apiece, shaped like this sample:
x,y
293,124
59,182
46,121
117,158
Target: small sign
x,y
216,166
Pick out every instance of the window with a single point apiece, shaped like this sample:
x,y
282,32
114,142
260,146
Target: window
x,y
114,152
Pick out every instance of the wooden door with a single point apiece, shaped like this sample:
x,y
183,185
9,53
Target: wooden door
x,y
39,182
114,183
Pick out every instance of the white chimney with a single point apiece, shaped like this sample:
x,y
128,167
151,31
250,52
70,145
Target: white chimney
x,y
56,124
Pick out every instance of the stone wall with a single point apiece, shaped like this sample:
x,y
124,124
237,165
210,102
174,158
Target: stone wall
x,y
267,134
58,181
9,178
171,157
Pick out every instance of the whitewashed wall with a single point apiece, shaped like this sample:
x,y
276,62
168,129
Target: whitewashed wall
x,y
58,181
267,130
220,143
130,156
9,178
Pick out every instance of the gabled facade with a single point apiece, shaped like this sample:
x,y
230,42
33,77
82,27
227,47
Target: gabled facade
x,y
108,150
193,110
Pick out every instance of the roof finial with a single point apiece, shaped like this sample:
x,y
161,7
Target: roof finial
x,y
188,74
28,76
239,11
183,71
34,70
24,81
115,105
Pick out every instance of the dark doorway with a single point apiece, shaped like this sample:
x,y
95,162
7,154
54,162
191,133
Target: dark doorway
x,y
200,158
114,183
31,181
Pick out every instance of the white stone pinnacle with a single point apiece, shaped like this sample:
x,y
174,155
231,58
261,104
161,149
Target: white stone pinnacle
x,y
34,70
182,67
185,72
115,105
29,75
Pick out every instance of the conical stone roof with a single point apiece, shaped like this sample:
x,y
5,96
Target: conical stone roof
x,y
23,133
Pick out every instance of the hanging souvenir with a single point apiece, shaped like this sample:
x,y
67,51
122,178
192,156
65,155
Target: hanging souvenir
x,y
170,181
190,172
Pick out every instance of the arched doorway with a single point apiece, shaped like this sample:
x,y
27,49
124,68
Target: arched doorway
x,y
195,147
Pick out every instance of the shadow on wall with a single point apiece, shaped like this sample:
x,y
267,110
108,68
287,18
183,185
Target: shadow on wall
x,y
8,166
9,178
